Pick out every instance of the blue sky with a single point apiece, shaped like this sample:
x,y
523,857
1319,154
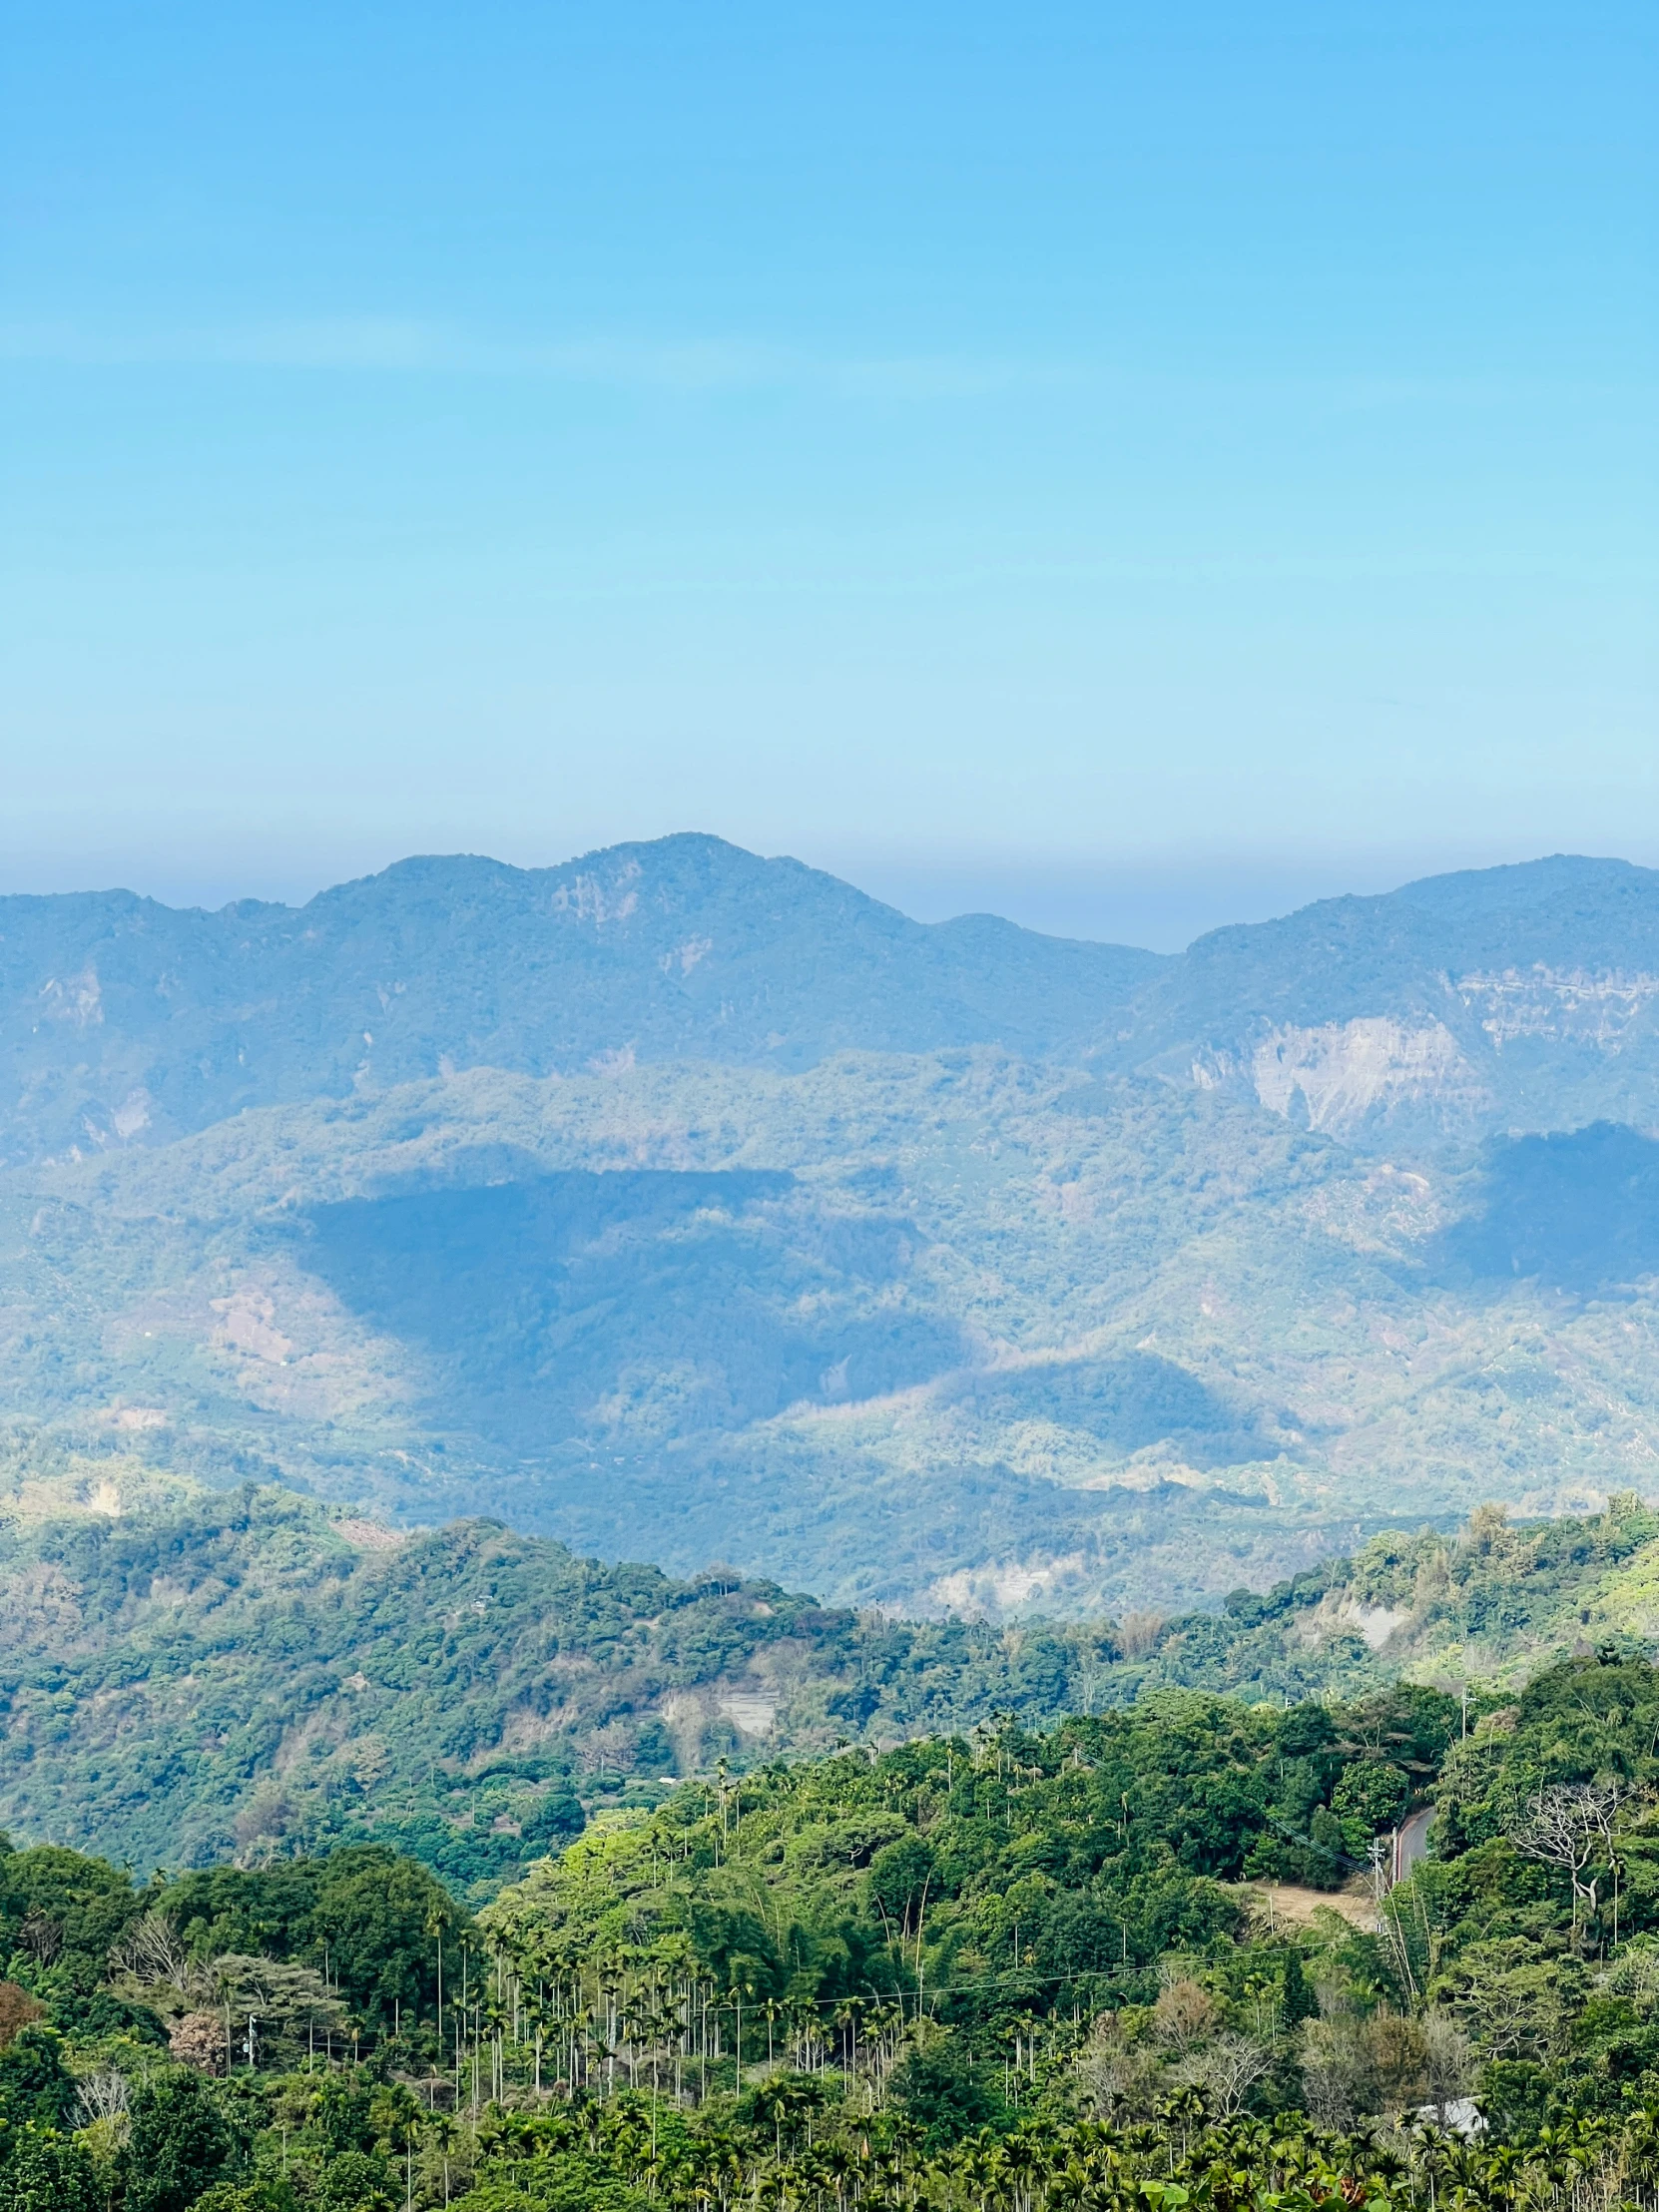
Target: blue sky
x,y
1130,466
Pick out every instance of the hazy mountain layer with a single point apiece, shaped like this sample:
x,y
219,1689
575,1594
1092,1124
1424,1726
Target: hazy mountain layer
x,y
928,1331
1515,998
1497,1000
126,1022
1090,1278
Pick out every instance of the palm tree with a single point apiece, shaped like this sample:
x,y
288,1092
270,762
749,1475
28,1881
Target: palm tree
x,y
443,2129
495,2017
437,1924
402,2128
742,1984
533,2016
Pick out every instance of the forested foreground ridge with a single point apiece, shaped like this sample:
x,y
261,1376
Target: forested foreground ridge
x,y
190,1677
1027,1970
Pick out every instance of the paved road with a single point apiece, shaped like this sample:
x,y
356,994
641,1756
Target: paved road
x,y
1411,1844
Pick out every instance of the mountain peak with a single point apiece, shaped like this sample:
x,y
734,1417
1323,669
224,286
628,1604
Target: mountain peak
x,y
133,1022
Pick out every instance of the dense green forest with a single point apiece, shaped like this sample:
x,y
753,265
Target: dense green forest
x,y
1143,1958
210,1675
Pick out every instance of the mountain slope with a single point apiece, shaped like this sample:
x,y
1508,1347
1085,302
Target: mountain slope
x,y
122,1020
1204,1269
923,1332
1508,998
248,1670
1524,997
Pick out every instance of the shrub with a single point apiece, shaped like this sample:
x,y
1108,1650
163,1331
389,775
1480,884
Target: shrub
x,y
179,2145
34,2087
17,2009
47,2172
1369,1798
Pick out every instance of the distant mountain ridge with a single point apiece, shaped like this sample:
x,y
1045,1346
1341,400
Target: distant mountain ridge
x,y
1524,997
122,1020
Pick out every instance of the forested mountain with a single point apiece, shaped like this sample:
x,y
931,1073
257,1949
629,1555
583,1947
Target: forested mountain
x,y
129,1022
190,1676
681,1204
1524,997
1485,1003
924,1334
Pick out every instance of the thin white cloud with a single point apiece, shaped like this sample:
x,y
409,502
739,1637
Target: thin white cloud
x,y
390,345
396,345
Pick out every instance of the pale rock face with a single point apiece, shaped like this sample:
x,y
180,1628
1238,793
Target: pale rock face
x,y
1573,1005
1340,1613
751,1713
250,1326
685,956
1347,1071
131,1115
981,1594
78,999
136,1417
591,899
1212,1070
1377,1623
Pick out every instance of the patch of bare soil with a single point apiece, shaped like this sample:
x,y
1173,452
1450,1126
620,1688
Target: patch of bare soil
x,y
1289,1901
369,1535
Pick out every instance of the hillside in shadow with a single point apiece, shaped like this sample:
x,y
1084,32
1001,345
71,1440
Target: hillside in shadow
x,y
646,1301
1577,1210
